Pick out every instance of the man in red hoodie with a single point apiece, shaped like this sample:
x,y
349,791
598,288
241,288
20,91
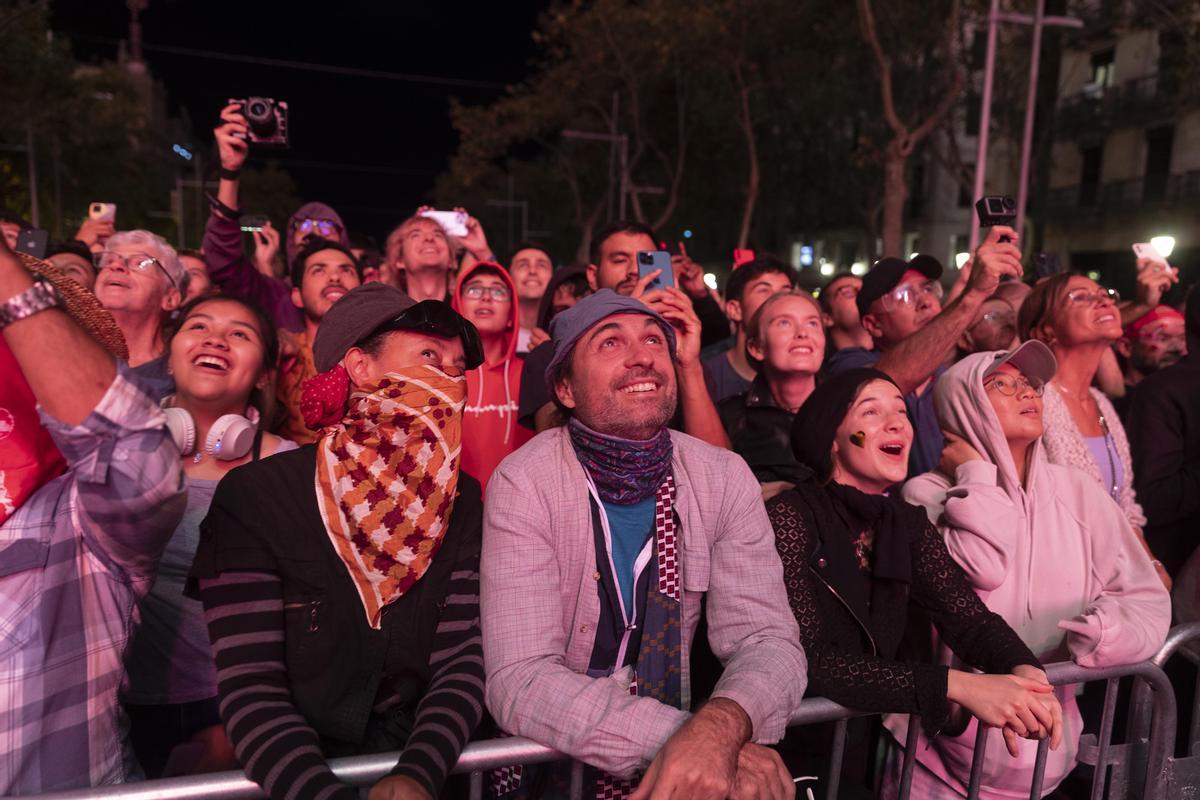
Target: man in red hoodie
x,y
486,296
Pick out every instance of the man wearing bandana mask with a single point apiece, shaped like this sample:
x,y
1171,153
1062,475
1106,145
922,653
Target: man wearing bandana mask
x,y
340,581
602,537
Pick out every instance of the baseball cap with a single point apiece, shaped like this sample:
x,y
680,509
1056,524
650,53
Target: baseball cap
x,y
886,275
1032,358
375,307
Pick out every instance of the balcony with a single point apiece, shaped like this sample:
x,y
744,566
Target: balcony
x,y
1137,102
1147,193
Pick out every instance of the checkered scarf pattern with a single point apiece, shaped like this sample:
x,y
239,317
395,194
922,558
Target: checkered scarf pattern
x,y
386,480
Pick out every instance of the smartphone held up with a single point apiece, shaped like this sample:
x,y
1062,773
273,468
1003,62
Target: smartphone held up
x,y
649,261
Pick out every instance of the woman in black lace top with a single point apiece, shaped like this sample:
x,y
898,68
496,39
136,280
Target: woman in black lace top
x,y
854,561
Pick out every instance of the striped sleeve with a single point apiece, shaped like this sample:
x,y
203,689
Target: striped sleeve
x,y
273,741
453,703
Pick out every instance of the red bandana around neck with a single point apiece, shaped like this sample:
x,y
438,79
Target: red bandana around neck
x,y
386,480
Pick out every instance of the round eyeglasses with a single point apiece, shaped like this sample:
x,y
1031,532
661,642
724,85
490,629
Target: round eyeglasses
x,y
1009,386
140,262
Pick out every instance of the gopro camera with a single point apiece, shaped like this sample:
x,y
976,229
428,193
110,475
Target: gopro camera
x,y
267,119
996,210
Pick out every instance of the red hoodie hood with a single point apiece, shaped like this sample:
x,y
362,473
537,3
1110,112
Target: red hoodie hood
x,y
490,429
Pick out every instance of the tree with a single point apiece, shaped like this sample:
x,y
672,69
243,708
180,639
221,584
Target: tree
x,y
924,67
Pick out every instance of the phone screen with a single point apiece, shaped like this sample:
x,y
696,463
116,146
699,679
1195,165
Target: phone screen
x,y
651,260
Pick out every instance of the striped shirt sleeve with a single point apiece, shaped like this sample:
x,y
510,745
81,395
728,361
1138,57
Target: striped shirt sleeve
x,y
453,702
273,741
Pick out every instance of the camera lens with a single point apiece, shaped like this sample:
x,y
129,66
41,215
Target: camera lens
x,y
1010,204
644,258
258,108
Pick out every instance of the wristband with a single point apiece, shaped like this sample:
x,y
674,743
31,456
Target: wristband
x,y
224,210
230,174
39,297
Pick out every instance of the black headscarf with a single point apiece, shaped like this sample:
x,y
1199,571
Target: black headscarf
x,y
839,512
817,421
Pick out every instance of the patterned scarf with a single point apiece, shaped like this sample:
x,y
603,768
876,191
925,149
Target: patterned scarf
x,y
624,471
386,480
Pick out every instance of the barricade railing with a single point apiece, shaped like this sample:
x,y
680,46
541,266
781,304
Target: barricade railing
x,y
479,757
1182,640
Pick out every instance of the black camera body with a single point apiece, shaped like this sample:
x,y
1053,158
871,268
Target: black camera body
x,y
267,119
996,210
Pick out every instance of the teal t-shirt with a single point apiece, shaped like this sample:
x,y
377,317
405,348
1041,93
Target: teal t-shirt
x,y
630,527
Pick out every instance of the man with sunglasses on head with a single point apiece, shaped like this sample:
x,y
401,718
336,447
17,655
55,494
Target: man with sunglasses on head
x,y
900,307
139,278
228,266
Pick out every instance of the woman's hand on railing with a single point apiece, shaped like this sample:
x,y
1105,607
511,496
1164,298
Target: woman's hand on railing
x,y
1022,706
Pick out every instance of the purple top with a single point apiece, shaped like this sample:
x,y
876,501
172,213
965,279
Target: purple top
x,y
1109,461
229,268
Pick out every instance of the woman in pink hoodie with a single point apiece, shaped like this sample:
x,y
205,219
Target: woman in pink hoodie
x,y
1046,548
485,295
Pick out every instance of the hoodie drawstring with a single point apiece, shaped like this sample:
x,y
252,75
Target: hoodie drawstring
x,y
507,401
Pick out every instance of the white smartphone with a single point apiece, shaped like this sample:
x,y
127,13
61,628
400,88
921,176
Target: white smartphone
x,y
1146,250
452,222
103,212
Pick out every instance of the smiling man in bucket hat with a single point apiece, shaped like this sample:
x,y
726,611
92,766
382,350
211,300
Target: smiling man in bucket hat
x,y
601,538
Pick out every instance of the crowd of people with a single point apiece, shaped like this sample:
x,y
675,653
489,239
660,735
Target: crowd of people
x,y
256,518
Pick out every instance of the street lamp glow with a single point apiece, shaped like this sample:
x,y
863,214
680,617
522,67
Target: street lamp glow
x,y
961,258
1165,245
827,268
710,280
858,268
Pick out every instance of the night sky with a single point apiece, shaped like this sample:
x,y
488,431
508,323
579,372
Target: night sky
x,y
399,130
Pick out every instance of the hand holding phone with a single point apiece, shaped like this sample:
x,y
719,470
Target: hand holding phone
x,y
1149,257
454,223
650,260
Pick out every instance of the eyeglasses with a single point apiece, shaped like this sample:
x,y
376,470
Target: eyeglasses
x,y
134,261
1009,386
998,318
1086,297
477,292
907,294
323,227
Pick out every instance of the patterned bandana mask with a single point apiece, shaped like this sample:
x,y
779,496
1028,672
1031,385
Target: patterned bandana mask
x,y
386,480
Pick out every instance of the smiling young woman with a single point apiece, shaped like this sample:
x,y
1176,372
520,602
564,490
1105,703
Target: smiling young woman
x,y
1079,321
222,356
854,561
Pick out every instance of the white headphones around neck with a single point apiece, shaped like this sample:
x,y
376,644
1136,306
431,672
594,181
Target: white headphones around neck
x,y
229,438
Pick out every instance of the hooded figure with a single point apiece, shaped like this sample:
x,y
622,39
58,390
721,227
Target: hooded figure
x,y
1053,555
490,429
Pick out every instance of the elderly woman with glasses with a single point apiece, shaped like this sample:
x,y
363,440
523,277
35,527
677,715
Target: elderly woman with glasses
x,y
1044,549
1079,321
139,278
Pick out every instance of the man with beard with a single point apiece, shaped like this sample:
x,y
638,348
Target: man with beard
x,y
613,266
1152,341
600,539
901,307
1163,423
322,273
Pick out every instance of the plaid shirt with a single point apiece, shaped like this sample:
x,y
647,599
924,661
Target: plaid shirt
x,y
74,560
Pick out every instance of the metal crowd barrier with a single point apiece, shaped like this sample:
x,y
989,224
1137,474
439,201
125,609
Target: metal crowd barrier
x,y
1148,750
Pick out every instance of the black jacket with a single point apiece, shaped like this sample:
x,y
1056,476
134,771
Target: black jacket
x,y
267,517
1163,425
761,433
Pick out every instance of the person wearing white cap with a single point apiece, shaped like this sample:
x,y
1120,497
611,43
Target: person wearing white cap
x,y
1045,547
